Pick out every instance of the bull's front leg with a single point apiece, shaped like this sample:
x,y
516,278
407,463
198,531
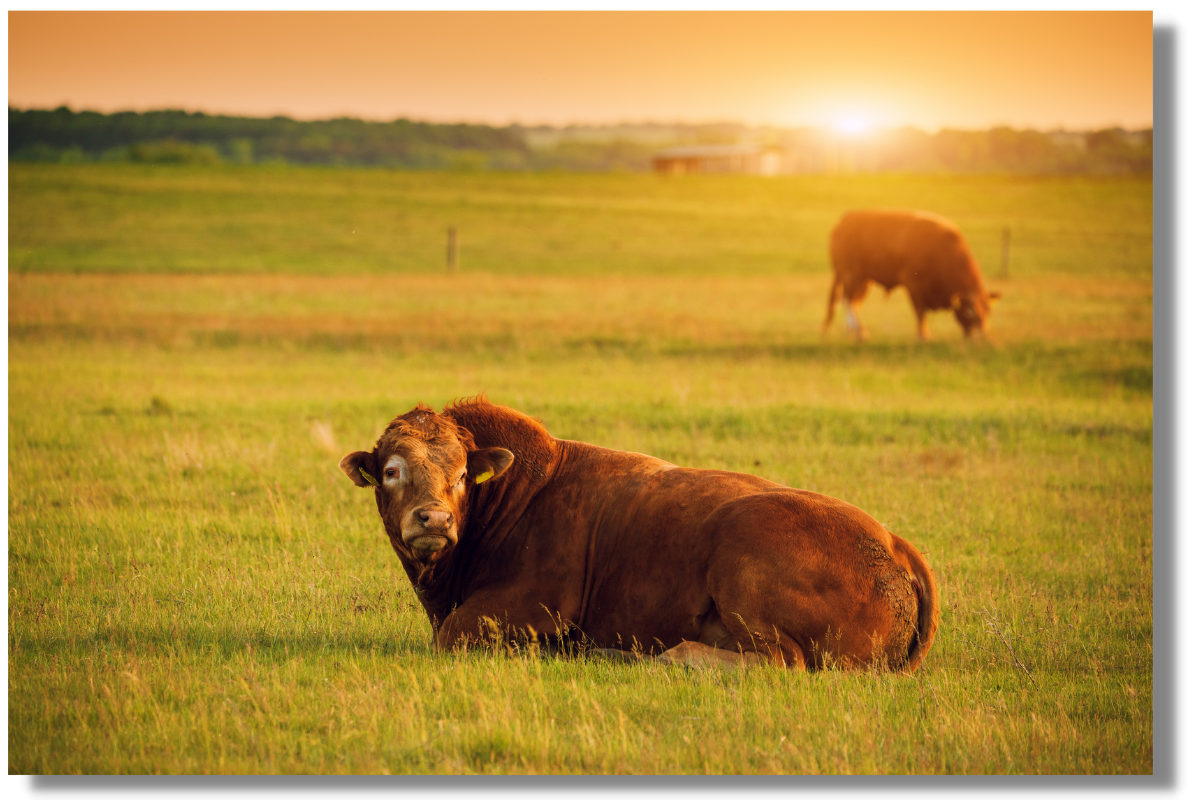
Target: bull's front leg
x,y
922,324
490,619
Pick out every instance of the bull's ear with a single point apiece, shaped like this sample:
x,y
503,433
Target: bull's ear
x,y
360,468
483,465
956,300
995,295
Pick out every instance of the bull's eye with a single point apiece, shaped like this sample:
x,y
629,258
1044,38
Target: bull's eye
x,y
391,473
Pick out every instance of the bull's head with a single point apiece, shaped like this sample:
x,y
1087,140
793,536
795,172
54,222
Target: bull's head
x,y
972,310
422,470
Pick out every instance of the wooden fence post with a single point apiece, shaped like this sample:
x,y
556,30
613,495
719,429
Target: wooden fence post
x,y
1005,239
452,250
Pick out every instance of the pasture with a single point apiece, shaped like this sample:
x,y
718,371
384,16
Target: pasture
x,y
195,587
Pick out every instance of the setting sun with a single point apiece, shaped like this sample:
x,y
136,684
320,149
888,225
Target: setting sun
x,y
853,125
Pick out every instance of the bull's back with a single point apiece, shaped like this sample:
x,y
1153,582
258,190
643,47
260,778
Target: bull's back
x,y
898,248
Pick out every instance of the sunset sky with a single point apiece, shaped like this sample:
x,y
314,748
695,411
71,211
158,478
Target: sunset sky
x,y
929,69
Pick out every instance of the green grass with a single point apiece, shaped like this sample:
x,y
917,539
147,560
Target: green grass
x,y
195,587
110,218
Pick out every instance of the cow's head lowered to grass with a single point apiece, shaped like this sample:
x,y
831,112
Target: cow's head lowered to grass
x,y
972,310
422,470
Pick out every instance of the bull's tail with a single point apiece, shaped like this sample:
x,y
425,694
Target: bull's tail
x,y
835,292
928,612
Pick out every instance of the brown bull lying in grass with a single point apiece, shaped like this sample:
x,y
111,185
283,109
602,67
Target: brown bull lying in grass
x,y
924,253
501,526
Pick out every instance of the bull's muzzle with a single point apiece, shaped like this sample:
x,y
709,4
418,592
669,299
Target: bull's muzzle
x,y
430,530
434,519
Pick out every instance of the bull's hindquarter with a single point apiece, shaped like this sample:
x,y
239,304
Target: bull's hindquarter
x,y
639,554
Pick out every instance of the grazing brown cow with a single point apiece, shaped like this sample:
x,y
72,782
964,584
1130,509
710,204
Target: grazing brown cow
x,y
924,253
500,526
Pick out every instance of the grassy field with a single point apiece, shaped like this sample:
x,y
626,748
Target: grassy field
x,y
254,220
195,587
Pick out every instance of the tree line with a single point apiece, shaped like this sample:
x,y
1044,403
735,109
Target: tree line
x,y
179,136
63,135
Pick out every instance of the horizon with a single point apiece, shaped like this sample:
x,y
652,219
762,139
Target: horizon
x,y
854,70
831,128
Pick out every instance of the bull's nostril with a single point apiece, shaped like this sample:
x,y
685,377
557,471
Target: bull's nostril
x,y
433,518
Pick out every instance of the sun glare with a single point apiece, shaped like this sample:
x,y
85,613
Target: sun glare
x,y
853,126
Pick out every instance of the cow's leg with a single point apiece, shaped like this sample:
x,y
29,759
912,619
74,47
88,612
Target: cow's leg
x,y
476,623
717,640
834,291
756,638
698,654
922,324
851,318
853,297
854,320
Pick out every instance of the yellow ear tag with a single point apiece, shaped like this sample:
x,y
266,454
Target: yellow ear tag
x,y
483,476
370,478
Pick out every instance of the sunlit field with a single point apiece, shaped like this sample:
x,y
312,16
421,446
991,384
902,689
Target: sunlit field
x,y
195,587
290,221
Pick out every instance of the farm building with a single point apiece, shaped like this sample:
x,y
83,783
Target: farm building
x,y
714,158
